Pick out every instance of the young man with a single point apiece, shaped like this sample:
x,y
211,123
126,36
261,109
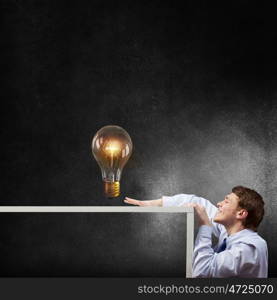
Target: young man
x,y
240,252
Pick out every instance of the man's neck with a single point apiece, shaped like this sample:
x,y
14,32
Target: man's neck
x,y
232,229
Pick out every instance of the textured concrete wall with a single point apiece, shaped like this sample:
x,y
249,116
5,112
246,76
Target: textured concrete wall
x,y
194,85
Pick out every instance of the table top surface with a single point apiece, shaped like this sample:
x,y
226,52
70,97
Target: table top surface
x,y
119,209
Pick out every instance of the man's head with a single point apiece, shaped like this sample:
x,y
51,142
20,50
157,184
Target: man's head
x,y
243,206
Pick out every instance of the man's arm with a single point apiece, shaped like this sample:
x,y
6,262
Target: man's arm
x,y
185,199
228,263
181,200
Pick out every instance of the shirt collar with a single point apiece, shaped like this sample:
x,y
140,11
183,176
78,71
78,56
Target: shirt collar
x,y
241,233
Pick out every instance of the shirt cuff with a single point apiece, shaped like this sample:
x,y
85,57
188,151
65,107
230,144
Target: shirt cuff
x,y
166,201
205,231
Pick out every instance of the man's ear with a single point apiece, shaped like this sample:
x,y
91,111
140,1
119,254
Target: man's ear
x,y
242,214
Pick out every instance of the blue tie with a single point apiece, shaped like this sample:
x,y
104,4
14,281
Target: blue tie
x,y
222,247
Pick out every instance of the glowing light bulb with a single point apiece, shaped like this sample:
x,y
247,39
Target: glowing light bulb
x,y
111,147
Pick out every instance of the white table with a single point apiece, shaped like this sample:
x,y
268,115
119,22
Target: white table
x,y
117,209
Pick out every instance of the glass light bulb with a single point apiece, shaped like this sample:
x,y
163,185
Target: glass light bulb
x,y
111,147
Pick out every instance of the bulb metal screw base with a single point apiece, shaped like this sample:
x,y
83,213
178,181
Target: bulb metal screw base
x,y
111,189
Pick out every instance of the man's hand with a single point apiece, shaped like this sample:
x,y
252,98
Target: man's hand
x,y
201,213
157,202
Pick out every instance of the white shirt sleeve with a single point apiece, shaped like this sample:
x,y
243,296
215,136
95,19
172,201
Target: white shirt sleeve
x,y
228,263
183,199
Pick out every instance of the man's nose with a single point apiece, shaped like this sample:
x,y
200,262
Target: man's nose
x,y
219,204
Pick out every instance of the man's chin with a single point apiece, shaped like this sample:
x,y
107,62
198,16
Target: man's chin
x,y
217,220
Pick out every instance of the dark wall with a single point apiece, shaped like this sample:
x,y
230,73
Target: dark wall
x,y
194,84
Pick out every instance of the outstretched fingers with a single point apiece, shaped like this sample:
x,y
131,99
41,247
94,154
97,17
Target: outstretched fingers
x,y
132,201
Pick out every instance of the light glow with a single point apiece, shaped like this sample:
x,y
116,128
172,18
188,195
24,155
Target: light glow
x,y
113,147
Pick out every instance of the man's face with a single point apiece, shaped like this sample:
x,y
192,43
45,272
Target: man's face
x,y
227,210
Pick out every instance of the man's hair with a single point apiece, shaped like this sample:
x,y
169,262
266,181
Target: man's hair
x,y
253,203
